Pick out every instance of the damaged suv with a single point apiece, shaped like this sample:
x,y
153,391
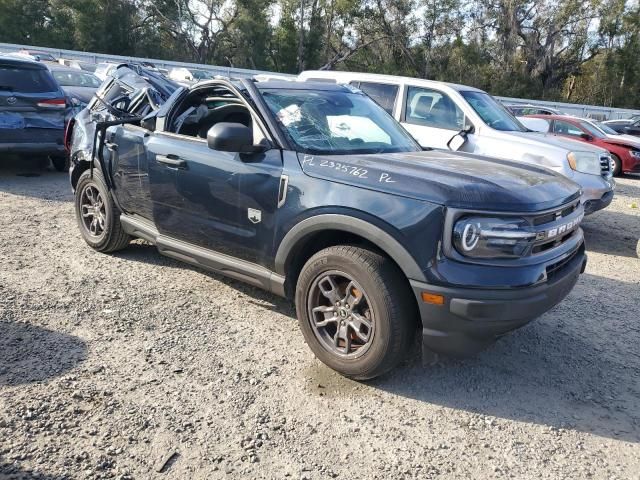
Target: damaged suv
x,y
313,192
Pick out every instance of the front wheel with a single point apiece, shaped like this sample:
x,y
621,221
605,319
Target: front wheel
x,y
97,214
616,165
355,310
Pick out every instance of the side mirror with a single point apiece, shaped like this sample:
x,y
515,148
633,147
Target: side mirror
x,y
586,137
149,123
456,142
232,137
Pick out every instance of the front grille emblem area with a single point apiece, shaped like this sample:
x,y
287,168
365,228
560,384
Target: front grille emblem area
x,y
11,100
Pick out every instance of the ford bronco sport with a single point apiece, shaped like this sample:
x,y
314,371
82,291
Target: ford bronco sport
x,y
313,192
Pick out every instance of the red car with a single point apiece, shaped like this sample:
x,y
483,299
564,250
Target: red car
x,y
625,152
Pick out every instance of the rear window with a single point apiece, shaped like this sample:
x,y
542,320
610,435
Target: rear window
x,y
76,78
26,80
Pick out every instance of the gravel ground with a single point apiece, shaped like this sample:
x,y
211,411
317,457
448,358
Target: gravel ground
x,y
136,366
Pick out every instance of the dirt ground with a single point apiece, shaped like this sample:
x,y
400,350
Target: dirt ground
x,y
136,366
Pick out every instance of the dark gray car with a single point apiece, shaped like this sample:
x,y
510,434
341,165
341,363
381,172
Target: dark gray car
x,y
32,110
78,86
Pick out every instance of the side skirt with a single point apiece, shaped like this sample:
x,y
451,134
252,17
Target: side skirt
x,y
247,272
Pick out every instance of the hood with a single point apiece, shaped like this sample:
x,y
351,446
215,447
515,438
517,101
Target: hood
x,y
84,94
549,139
451,179
624,140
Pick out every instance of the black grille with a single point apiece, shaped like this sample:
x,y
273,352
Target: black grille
x,y
556,268
553,216
555,227
605,165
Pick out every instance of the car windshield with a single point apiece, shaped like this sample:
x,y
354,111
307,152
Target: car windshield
x,y
592,129
67,78
606,128
336,122
492,112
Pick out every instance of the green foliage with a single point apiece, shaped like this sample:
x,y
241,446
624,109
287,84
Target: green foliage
x,y
572,50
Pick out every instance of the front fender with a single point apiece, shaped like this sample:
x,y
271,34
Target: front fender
x,y
362,228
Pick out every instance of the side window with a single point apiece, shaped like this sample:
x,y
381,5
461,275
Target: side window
x,y
205,108
431,108
566,128
384,95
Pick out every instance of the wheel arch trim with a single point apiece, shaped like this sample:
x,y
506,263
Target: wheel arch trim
x,y
383,240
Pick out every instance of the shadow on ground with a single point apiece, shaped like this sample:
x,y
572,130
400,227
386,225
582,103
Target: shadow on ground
x,y
30,354
28,178
628,186
140,251
12,472
577,368
612,233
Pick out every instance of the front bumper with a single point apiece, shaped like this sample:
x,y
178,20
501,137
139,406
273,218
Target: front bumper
x,y
592,206
471,319
597,191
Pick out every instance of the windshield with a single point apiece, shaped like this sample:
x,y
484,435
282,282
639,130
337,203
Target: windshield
x,y
606,128
592,129
78,78
492,112
337,122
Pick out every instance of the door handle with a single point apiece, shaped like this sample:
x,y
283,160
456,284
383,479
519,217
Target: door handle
x,y
172,161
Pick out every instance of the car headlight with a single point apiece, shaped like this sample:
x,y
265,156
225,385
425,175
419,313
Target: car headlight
x,y
492,237
635,153
584,162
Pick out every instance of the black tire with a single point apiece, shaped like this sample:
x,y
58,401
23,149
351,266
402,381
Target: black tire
x,y
109,235
617,165
60,163
384,290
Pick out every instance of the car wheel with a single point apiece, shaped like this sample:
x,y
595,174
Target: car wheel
x,y
617,165
97,215
355,310
61,164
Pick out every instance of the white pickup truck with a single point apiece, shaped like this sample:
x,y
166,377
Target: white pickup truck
x,y
444,115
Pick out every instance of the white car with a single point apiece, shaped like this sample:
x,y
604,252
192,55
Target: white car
x,y
103,70
189,75
444,115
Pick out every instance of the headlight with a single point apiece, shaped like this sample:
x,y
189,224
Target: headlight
x,y
492,237
635,153
584,162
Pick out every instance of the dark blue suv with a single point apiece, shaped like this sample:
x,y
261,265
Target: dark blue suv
x,y
313,192
32,110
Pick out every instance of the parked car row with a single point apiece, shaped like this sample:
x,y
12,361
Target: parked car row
x,y
624,149
456,117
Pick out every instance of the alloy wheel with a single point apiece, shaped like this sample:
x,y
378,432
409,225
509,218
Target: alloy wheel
x,y
92,209
340,314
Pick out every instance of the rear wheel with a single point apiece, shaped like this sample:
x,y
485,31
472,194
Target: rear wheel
x,y
355,311
97,215
617,165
